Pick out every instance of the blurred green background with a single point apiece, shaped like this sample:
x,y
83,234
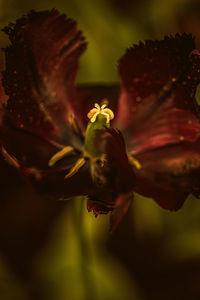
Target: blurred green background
x,y
154,254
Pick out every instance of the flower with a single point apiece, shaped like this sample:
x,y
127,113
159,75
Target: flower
x,y
152,146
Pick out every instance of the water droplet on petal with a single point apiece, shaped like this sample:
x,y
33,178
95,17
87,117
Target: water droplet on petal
x,y
135,80
138,99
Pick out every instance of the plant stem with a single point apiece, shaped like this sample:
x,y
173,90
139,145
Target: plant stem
x,y
85,250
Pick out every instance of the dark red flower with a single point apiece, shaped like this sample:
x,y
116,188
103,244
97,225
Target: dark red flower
x,y
156,151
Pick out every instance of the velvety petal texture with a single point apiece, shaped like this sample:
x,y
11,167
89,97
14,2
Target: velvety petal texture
x,y
157,105
37,117
41,67
160,117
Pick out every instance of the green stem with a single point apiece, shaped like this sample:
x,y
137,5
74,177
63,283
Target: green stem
x,y
85,250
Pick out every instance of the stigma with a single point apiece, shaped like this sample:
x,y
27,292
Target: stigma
x,y
100,110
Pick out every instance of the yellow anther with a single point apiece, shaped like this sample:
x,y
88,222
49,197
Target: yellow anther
x,y
97,106
60,154
103,106
100,110
10,158
134,162
79,164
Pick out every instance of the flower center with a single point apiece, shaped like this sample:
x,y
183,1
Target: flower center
x,y
100,117
100,110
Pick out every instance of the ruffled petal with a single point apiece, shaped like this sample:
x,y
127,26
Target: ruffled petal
x,y
157,105
169,174
41,67
97,207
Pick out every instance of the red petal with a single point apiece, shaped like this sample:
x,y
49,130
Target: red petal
x,y
98,208
122,205
41,66
169,174
157,104
111,143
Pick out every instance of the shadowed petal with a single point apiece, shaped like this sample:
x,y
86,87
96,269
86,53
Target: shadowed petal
x,y
122,205
169,174
112,144
41,67
115,194
51,181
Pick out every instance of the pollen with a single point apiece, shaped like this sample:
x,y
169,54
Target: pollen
x,y
100,110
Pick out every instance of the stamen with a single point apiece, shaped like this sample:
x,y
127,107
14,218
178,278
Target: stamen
x,y
60,154
79,164
103,106
134,162
10,158
100,110
74,124
97,106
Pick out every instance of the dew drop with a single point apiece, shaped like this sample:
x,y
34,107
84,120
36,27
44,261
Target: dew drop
x,y
135,80
138,99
